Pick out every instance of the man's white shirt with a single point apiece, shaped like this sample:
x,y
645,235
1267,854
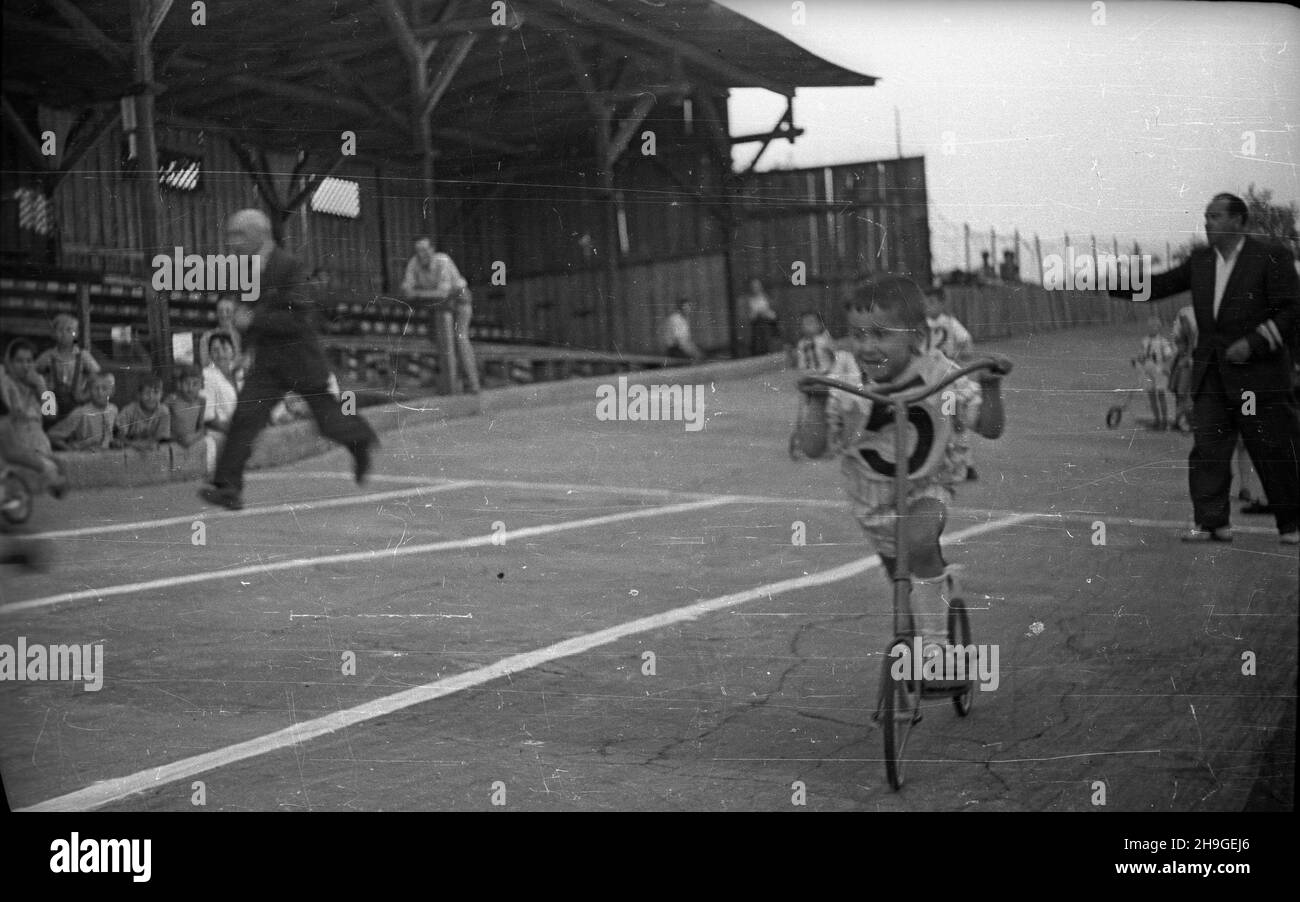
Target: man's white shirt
x,y
1223,271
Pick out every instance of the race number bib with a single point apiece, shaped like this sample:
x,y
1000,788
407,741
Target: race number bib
x,y
926,434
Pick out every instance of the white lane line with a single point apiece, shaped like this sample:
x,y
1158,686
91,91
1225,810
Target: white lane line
x,y
372,555
829,503
108,791
428,486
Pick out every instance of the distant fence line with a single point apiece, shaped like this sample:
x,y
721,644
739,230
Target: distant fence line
x,y
1001,311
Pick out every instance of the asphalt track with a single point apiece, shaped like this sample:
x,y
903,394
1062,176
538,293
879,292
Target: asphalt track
x,y
517,675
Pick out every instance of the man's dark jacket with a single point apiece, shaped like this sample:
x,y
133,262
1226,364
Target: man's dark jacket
x,y
1261,303
285,311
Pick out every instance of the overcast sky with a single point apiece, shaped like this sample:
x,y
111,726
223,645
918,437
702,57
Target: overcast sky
x,y
1052,123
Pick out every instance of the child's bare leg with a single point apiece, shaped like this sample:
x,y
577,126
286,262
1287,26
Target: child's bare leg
x,y
922,527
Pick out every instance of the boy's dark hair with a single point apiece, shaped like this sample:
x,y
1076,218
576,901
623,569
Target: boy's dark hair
x,y
892,294
150,381
187,371
17,345
815,314
222,337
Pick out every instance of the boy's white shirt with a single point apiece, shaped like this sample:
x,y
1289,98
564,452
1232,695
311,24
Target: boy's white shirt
x,y
948,335
853,413
819,351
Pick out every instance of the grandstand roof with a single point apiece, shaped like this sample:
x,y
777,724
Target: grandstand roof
x,y
300,74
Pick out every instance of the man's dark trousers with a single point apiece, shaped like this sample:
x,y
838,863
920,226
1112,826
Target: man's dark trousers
x,y
279,368
1271,434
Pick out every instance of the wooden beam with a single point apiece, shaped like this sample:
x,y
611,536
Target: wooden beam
x,y
582,75
473,139
31,147
388,111
151,210
312,184
292,91
787,118
81,141
619,141
712,121
776,134
453,27
446,72
401,29
736,75
261,180
159,14
89,33
665,92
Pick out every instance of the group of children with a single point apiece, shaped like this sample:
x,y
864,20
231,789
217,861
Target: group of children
x,y
61,401
899,338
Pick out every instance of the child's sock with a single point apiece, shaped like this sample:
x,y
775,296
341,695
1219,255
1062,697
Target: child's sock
x,y
930,599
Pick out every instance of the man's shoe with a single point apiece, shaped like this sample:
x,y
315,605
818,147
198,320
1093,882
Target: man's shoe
x,y
227,498
1290,538
1222,534
1257,507
361,459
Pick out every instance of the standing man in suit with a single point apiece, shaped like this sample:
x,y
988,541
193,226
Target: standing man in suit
x,y
287,356
1246,297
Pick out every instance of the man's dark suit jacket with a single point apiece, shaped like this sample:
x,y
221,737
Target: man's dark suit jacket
x,y
285,311
1261,303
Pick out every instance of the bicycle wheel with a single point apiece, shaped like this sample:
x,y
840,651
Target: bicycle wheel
x,y
959,636
17,499
900,709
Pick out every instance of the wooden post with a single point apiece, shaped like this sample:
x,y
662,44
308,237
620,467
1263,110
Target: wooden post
x,y
1038,252
83,312
605,175
965,227
143,24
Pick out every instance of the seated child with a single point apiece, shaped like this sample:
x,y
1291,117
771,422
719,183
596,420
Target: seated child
x,y
66,368
145,422
90,426
1157,354
186,406
815,353
219,389
889,334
